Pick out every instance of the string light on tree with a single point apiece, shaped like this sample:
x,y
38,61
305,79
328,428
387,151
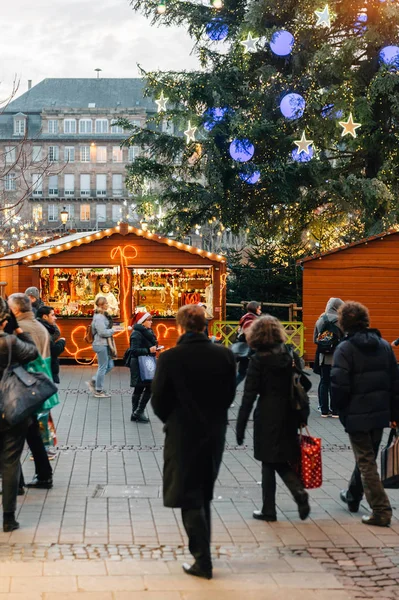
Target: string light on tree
x,y
161,8
161,102
349,127
250,44
323,17
190,133
218,4
303,144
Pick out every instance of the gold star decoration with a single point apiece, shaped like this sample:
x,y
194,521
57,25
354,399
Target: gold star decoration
x,y
323,17
349,127
161,103
250,44
303,144
190,133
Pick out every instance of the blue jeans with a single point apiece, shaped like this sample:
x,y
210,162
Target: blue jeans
x,y
105,364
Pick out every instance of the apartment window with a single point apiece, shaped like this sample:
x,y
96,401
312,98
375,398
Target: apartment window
x,y
101,213
52,126
69,154
37,184
37,213
9,155
132,153
85,154
85,126
53,153
117,185
85,212
101,184
69,185
52,212
117,154
53,185
70,210
116,212
116,128
36,153
19,126
101,125
85,184
101,154
69,125
10,182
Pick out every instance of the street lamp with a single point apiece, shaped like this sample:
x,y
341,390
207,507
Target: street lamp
x,y
64,214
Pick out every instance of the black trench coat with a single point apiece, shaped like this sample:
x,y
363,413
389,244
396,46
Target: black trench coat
x,y
275,420
193,388
141,340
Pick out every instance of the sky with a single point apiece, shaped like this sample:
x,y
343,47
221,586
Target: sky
x,y
71,38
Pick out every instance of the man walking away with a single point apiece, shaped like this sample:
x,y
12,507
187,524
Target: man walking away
x,y
327,336
365,388
193,388
22,309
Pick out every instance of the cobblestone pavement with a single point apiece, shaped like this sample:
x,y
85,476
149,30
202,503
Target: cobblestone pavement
x,y
92,536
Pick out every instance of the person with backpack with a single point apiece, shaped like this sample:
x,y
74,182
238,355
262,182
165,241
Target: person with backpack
x,y
327,336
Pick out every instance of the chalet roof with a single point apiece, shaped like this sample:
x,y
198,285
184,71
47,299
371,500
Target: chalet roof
x,y
346,246
64,243
59,93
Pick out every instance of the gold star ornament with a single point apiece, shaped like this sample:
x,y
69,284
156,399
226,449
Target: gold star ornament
x,y
323,17
303,144
161,103
349,127
190,133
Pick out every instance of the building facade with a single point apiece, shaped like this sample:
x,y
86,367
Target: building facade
x,y
60,147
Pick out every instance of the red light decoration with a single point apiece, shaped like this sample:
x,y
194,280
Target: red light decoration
x,y
125,254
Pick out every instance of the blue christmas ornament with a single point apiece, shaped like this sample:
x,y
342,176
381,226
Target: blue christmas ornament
x,y
390,55
293,106
302,157
327,112
216,29
251,178
241,150
212,116
282,43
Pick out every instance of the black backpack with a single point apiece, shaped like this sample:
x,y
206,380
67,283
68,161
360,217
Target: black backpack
x,y
329,336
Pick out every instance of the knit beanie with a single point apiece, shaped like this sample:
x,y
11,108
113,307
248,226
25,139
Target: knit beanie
x,y
32,291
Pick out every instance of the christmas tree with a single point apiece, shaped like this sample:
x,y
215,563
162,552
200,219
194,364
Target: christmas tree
x,y
289,129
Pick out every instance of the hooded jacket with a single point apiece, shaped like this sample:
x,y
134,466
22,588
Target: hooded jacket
x,y
331,313
365,382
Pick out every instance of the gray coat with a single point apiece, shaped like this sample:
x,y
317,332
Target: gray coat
x,y
101,329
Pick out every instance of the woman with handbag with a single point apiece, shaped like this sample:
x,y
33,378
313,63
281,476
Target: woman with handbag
x,y
276,418
143,343
103,346
12,438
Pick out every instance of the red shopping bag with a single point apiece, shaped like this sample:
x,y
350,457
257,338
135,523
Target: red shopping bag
x,y
310,461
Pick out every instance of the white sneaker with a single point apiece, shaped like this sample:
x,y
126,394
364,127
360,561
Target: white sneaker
x,y
101,394
91,386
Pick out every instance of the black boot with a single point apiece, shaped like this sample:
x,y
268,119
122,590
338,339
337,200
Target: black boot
x,y
9,522
139,413
135,403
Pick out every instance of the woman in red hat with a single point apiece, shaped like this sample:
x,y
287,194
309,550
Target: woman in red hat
x,y
142,343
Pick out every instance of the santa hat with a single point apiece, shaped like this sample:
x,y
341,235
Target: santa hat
x,y
140,317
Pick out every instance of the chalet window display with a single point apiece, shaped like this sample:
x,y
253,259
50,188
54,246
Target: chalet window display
x,y
163,291
72,291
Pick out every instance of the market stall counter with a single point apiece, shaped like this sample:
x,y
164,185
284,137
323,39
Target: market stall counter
x,y
134,269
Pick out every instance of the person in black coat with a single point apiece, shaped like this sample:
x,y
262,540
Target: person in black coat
x,y
276,421
365,388
142,343
12,439
193,387
46,316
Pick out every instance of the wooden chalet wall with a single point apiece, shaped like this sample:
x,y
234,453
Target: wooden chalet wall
x,y
367,273
17,277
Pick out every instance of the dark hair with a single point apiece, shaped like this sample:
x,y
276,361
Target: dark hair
x,y
253,306
4,311
22,301
100,301
191,318
44,310
353,316
265,331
